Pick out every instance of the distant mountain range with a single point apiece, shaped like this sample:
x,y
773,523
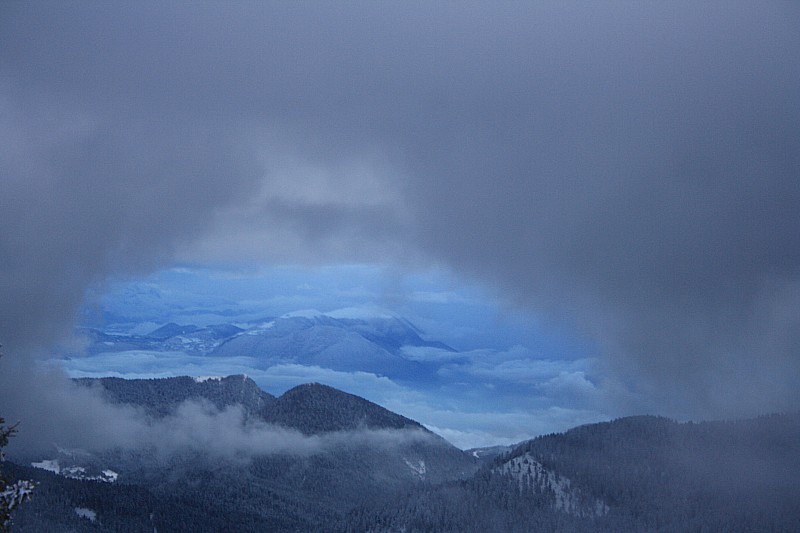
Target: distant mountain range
x,y
344,344
380,471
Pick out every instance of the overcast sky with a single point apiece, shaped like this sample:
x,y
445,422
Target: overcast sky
x,y
629,170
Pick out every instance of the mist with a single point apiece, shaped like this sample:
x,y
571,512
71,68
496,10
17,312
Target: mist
x,y
93,424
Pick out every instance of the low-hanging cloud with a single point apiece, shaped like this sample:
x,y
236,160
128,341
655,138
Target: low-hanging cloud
x,y
195,426
630,169
226,433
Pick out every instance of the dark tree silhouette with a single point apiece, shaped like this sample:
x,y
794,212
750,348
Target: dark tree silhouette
x,y
11,494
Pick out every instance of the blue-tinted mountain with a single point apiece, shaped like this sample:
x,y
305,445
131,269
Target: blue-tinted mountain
x,y
171,337
172,329
98,341
343,344
214,331
392,333
372,345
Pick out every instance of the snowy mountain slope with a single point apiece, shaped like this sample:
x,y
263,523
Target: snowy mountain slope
x,y
314,339
186,338
298,340
371,345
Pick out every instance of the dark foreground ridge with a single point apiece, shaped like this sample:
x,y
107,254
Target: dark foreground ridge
x,y
632,474
641,473
359,452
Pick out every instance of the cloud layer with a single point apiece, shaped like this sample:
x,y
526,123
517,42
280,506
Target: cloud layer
x,y
628,169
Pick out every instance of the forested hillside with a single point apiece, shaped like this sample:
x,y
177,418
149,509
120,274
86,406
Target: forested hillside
x,y
632,474
351,465
346,451
160,397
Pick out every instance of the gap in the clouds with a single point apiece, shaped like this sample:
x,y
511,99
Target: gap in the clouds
x,y
478,368
443,306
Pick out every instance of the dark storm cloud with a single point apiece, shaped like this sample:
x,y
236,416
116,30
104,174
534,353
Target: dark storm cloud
x,y
628,167
639,176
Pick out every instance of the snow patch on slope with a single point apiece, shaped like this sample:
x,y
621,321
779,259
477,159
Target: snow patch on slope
x,y
84,512
258,330
48,464
531,474
75,471
419,468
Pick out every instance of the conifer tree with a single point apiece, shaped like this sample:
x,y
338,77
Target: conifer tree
x,y
11,494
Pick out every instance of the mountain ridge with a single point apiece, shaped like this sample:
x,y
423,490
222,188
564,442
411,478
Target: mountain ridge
x,y
333,410
339,343
641,473
358,451
311,408
162,396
